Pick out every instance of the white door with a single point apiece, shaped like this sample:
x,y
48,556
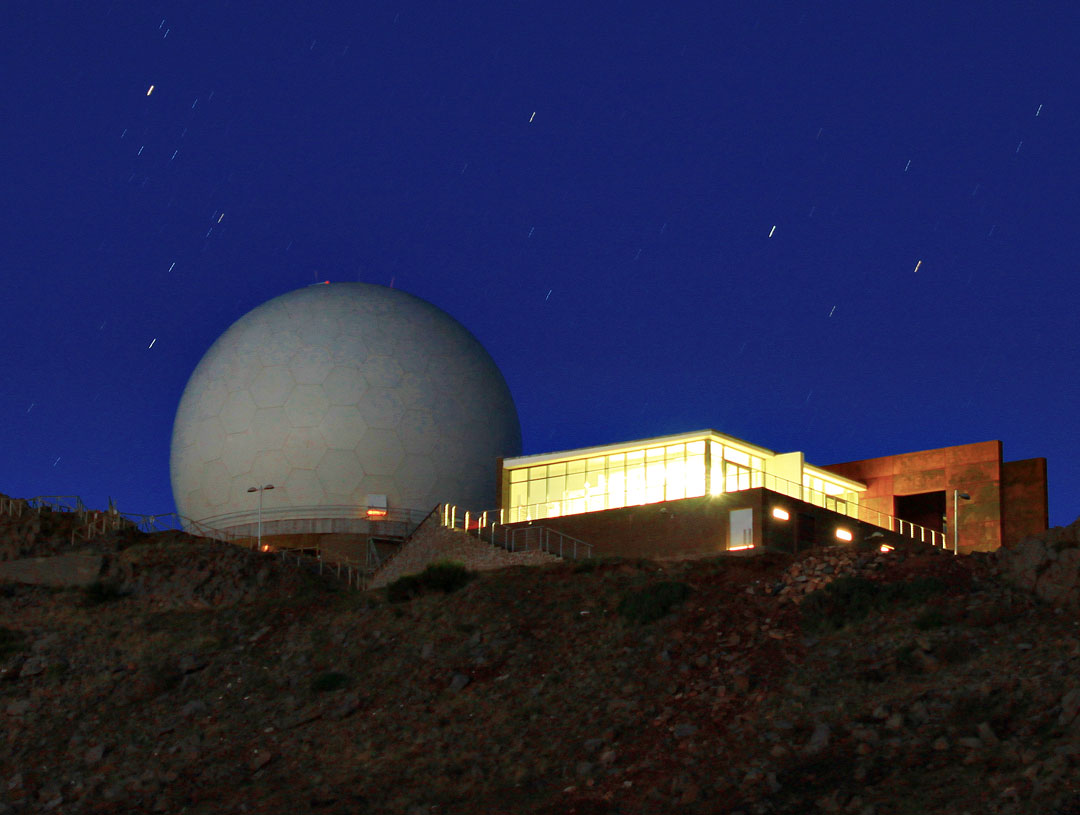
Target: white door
x,y
742,529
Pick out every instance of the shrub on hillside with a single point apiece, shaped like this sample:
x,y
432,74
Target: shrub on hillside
x,y
101,591
850,599
11,641
329,681
652,602
445,576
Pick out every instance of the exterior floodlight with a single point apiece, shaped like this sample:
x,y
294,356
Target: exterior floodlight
x,y
260,490
843,534
780,514
957,495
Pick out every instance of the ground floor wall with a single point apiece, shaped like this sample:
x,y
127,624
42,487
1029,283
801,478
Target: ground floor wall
x,y
703,527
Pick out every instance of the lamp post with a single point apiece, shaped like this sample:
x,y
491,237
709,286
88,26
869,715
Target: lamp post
x,y
260,490
956,496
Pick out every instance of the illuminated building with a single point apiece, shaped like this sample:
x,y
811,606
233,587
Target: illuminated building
x,y
698,493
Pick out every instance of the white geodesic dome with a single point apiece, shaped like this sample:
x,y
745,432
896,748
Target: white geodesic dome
x,y
336,392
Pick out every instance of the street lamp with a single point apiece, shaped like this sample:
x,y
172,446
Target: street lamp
x,y
260,490
956,496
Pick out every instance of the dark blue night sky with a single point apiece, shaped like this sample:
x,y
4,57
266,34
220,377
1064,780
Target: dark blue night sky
x,y
589,188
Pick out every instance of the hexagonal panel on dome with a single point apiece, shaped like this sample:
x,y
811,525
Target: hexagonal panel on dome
x,y
211,399
349,350
417,431
271,427
306,406
339,471
381,408
380,452
320,330
215,483
304,488
310,366
238,452
378,485
270,467
304,447
272,386
417,473
209,438
237,412
411,355
376,339
382,371
342,427
344,385
281,346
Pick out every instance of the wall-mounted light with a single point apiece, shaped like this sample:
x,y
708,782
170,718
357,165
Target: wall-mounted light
x,y
843,534
780,514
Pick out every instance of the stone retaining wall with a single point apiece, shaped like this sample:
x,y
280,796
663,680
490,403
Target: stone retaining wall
x,y
432,543
61,570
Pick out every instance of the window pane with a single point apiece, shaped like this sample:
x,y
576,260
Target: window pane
x,y
616,460
635,485
695,448
675,450
737,456
537,472
654,453
556,487
519,494
616,489
518,475
556,469
575,466
596,463
537,492
676,479
575,485
695,476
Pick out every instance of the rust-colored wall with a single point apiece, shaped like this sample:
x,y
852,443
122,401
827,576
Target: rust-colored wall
x,y
692,527
1024,499
972,468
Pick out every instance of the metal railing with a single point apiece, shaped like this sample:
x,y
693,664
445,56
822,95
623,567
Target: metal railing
x,y
747,480
489,527
315,519
552,541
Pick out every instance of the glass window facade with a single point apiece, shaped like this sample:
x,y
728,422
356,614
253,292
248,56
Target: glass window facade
x,y
623,479
664,469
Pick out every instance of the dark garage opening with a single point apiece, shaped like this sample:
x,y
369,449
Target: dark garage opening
x,y
923,508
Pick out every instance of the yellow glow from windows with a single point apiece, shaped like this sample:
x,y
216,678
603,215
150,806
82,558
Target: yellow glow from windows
x,y
664,469
843,534
781,514
737,456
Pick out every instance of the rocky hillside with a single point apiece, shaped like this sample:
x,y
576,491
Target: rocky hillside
x,y
200,678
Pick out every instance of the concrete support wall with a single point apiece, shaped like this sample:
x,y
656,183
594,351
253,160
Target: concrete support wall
x,y
59,570
689,528
433,543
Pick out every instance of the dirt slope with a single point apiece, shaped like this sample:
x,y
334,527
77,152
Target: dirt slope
x,y
226,681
